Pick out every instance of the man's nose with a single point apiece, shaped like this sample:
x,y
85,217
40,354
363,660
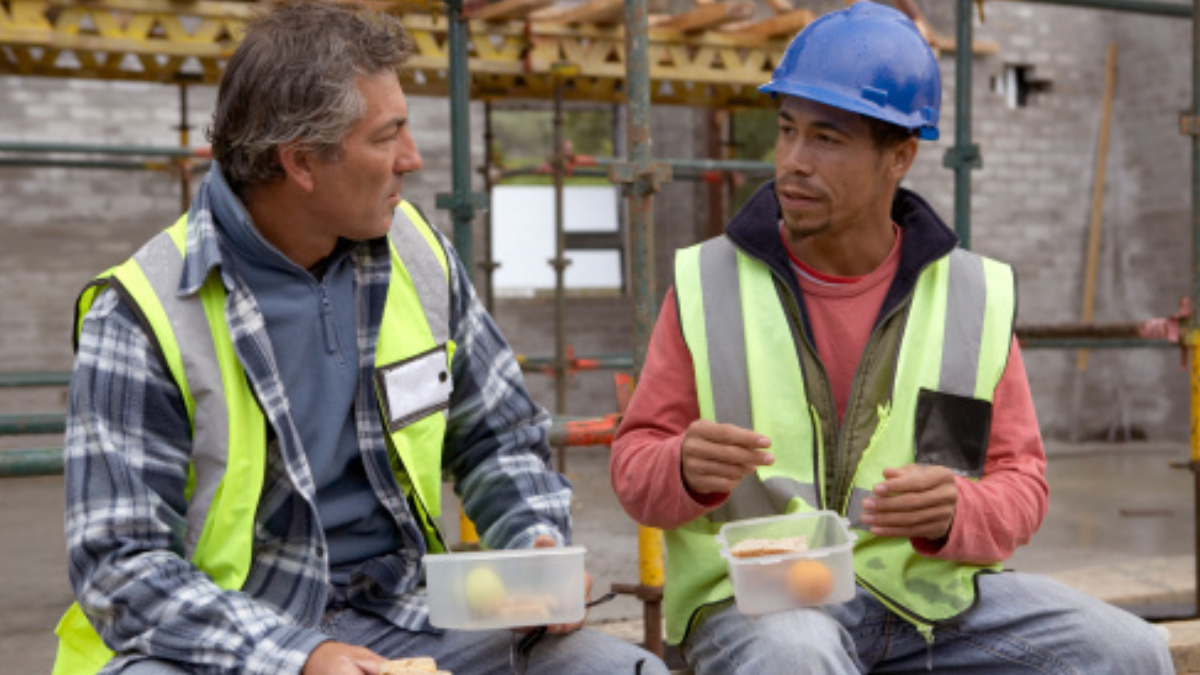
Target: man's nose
x,y
797,158
408,159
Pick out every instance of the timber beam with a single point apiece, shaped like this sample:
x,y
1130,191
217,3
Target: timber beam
x,y
189,42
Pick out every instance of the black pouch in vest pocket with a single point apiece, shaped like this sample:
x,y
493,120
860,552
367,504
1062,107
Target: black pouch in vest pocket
x,y
952,431
415,387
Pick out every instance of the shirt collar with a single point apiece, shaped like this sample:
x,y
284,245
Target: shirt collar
x,y
203,252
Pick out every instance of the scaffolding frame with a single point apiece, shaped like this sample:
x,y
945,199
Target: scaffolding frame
x,y
641,177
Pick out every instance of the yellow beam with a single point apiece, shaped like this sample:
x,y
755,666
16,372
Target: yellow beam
x,y
170,41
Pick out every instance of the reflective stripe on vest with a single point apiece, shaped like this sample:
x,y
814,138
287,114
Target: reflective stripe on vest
x,y
745,351
224,486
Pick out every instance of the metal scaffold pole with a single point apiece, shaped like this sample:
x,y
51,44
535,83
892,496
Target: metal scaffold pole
x,y
461,202
559,263
641,178
488,264
1149,7
964,156
185,182
1189,124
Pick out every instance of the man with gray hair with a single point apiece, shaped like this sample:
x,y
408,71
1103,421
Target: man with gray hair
x,y
267,395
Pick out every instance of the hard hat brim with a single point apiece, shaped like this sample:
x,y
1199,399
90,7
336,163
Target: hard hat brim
x,y
834,99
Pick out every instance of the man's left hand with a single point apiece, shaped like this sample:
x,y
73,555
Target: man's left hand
x,y
546,541
914,501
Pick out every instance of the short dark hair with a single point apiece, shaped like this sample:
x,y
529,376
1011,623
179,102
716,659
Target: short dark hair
x,y
887,135
294,77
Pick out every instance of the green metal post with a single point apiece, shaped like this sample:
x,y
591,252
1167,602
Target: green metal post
x,y
641,177
1135,6
32,424
35,462
461,202
74,148
36,379
964,156
488,265
38,162
702,165
641,202
559,263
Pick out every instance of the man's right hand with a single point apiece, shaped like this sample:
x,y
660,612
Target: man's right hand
x,y
339,658
716,457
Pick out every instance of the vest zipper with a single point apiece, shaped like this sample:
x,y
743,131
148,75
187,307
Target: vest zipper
x,y
922,625
845,476
927,633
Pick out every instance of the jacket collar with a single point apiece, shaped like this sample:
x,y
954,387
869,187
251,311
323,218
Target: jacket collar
x,y
755,230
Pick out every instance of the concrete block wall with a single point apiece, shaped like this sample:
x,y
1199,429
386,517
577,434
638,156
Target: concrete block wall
x,y
60,227
1031,200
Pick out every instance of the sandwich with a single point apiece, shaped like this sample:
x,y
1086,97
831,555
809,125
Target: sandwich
x,y
753,548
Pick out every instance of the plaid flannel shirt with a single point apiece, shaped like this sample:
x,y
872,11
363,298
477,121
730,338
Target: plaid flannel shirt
x,y
127,456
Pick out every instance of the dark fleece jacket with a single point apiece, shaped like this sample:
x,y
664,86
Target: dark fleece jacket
x,y
755,230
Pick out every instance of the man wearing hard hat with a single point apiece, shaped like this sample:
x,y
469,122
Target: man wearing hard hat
x,y
836,351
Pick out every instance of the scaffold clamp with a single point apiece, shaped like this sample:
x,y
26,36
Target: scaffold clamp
x,y
643,178
963,155
463,206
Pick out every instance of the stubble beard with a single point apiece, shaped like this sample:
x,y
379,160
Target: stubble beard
x,y
798,232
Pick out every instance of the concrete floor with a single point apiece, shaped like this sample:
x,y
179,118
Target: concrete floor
x,y
1119,516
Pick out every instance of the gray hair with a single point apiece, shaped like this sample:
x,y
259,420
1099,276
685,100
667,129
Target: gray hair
x,y
294,78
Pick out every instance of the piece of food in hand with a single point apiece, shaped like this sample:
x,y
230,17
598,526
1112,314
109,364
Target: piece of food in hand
x,y
809,581
412,666
485,591
753,548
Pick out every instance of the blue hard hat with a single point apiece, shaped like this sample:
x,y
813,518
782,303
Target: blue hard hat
x,y
869,59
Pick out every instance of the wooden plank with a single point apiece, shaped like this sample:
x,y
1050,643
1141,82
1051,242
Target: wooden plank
x,y
1093,249
592,11
937,41
780,6
507,10
948,44
910,8
706,17
782,25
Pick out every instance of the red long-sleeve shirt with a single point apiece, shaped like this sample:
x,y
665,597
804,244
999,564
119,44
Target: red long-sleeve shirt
x,y
994,516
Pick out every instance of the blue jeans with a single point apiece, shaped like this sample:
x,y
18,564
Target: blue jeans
x,y
584,652
1021,624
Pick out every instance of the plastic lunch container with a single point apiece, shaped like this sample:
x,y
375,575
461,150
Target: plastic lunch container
x,y
505,589
822,574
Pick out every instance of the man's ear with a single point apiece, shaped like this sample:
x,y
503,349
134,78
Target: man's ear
x,y
297,162
901,158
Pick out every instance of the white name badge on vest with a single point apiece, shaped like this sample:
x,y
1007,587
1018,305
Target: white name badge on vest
x,y
415,387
